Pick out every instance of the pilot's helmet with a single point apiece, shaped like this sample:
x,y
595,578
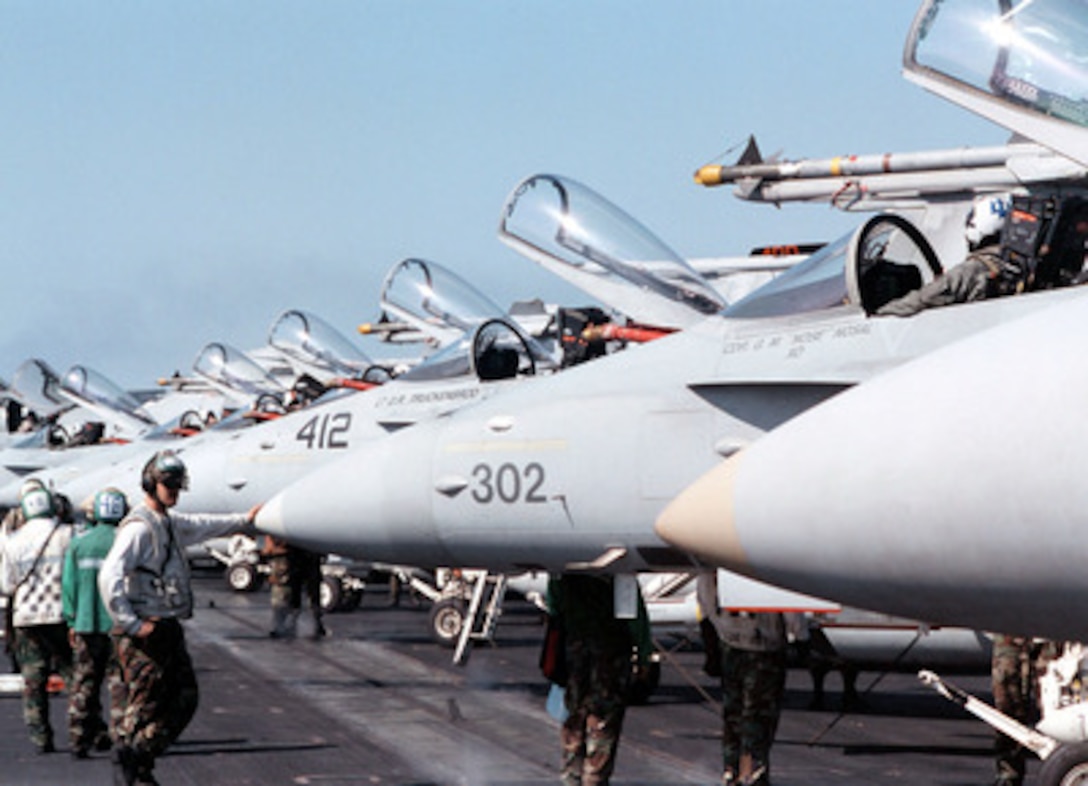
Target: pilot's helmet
x,y
987,217
110,506
37,503
164,467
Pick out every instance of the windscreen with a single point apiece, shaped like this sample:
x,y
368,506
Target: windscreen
x,y
463,357
817,283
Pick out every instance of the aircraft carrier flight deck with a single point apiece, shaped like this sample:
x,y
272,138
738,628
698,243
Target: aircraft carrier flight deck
x,y
379,702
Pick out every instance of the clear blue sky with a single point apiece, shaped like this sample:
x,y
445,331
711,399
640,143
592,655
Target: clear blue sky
x,y
173,173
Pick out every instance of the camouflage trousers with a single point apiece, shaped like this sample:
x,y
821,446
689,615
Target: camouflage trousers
x,y
161,689
595,699
288,589
752,687
41,650
93,662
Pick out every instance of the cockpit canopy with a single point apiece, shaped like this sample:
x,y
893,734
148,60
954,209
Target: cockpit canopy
x,y
434,301
37,385
94,391
582,237
234,373
313,342
1020,63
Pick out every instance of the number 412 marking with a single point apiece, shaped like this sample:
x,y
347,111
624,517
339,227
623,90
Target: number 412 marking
x,y
325,431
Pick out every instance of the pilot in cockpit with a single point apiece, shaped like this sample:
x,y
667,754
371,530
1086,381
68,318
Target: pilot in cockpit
x,y
984,273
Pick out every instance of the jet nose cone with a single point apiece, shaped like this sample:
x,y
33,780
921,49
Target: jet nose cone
x,y
270,518
701,519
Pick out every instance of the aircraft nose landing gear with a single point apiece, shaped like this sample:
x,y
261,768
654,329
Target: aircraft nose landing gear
x,y
1060,738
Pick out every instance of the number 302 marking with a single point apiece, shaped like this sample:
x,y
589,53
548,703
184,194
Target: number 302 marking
x,y
505,482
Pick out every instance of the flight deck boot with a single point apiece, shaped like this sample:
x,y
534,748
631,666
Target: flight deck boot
x,y
124,767
282,627
320,631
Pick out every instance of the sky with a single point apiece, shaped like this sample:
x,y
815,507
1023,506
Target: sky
x,y
180,172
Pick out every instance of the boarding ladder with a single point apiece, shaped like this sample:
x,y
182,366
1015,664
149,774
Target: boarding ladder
x,y
484,609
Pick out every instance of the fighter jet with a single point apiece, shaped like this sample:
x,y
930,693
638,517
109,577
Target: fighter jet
x,y
232,467
224,375
82,409
494,353
947,489
574,468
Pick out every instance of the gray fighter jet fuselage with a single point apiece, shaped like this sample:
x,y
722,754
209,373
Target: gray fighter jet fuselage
x,y
951,488
574,469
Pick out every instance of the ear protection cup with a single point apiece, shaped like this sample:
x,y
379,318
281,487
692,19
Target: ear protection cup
x,y
147,477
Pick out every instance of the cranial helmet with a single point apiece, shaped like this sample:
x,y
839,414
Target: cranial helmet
x,y
110,506
987,216
28,486
37,503
164,467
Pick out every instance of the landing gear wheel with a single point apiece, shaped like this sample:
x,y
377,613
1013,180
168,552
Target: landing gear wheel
x,y
447,620
1067,766
243,577
332,594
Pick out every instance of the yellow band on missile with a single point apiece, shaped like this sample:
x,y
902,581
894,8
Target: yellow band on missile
x,y
709,175
836,166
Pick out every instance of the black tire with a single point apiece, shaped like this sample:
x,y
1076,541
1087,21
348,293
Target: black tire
x,y
243,577
332,594
644,684
351,600
1067,766
447,619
